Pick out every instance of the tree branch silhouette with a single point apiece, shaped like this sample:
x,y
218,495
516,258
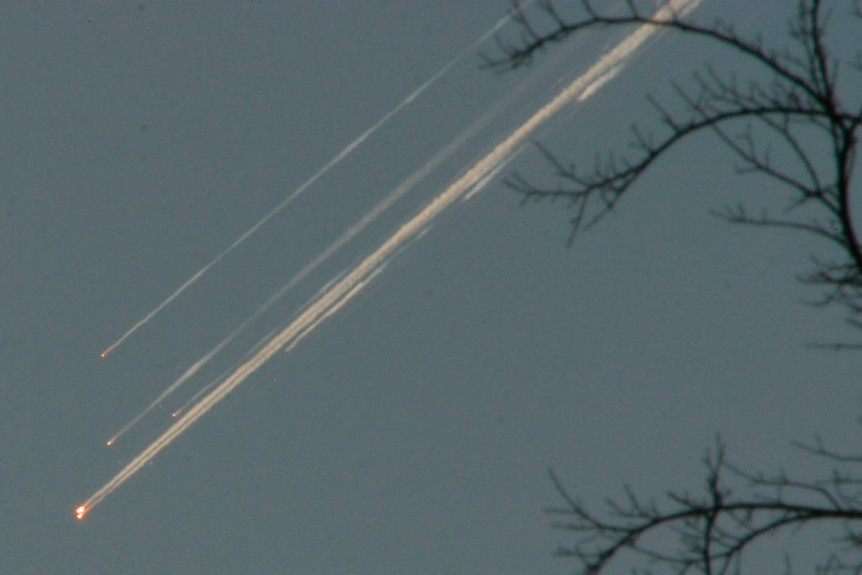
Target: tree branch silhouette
x,y
793,104
794,122
710,532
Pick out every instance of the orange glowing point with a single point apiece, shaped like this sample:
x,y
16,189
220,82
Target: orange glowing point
x,y
110,442
81,511
107,351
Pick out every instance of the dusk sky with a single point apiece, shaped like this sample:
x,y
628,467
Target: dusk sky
x,y
409,431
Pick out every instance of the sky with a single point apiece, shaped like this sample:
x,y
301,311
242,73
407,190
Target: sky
x,y
412,430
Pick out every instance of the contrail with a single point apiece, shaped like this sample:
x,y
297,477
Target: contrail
x,y
309,182
492,173
397,193
601,81
353,282
177,383
222,375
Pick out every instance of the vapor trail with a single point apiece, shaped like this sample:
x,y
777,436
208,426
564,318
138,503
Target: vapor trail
x,y
397,193
353,282
309,182
222,375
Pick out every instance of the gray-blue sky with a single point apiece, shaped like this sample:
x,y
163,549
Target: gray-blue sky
x,y
411,432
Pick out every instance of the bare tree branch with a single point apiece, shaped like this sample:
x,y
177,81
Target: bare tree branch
x,y
789,123
786,124
711,532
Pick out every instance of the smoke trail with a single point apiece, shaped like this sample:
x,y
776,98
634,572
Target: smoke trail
x,y
397,193
353,282
308,183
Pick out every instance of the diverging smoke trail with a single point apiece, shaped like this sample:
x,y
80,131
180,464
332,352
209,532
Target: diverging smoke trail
x,y
308,183
354,282
396,194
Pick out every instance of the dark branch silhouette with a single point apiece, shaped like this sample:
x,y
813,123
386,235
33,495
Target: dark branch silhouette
x,y
710,532
793,105
794,121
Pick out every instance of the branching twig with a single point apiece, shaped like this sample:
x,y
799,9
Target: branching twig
x,y
789,124
712,532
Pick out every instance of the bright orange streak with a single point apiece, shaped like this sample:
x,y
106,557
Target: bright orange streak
x,y
107,351
81,511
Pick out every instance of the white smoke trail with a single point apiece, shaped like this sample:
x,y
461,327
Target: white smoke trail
x,y
397,193
353,282
309,182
